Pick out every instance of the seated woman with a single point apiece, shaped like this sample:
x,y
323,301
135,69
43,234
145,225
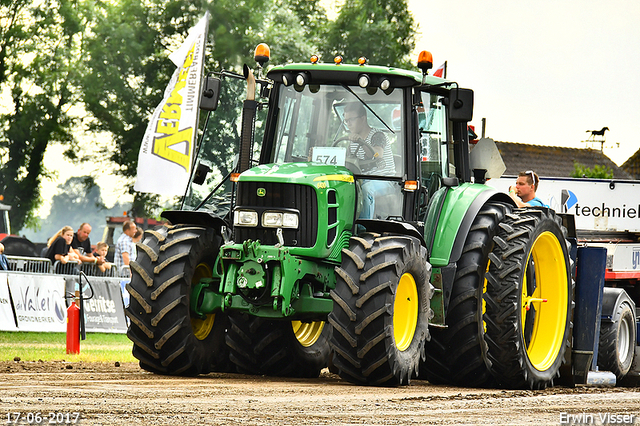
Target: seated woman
x,y
60,247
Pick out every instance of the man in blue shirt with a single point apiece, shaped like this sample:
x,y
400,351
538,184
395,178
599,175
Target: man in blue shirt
x,y
4,264
524,191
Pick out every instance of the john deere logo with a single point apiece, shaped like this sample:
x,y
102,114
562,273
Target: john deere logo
x,y
262,192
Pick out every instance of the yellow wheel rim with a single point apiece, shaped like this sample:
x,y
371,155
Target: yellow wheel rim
x,y
202,327
405,311
307,333
546,306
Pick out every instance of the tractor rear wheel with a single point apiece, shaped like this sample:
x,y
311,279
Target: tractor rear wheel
x,y
458,354
381,309
617,342
283,348
167,338
529,299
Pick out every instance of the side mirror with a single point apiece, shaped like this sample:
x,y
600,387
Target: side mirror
x,y
461,105
201,174
210,94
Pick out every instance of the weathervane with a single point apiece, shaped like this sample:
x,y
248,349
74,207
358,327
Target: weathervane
x,y
597,136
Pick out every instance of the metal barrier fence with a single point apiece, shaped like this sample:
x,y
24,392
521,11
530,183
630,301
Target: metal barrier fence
x,y
36,265
43,265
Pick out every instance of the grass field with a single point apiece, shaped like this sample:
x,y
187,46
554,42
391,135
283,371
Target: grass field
x,y
98,347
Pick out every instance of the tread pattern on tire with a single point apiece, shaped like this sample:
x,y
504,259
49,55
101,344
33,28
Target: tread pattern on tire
x,y
508,355
261,346
457,355
608,355
159,311
362,317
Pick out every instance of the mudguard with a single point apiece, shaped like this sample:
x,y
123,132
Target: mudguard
x,y
455,218
201,218
611,299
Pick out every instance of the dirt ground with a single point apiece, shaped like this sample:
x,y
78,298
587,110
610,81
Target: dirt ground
x,y
106,394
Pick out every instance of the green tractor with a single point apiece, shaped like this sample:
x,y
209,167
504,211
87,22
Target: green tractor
x,y
353,234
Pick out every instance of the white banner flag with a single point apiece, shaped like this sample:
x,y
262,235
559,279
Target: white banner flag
x,y
166,153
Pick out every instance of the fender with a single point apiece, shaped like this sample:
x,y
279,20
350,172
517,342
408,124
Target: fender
x,y
403,228
201,218
446,249
611,299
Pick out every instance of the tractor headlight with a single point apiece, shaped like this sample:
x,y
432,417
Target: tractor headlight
x,y
245,218
279,220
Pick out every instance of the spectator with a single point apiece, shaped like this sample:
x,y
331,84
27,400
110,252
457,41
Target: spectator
x,y
136,239
523,193
101,256
125,247
4,263
60,247
81,244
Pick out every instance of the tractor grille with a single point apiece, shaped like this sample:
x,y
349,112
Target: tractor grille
x,y
279,196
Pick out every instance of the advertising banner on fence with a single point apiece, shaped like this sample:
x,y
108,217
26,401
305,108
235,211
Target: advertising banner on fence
x,y
7,319
104,312
38,301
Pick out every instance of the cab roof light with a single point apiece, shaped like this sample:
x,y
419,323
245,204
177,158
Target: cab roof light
x,y
314,59
235,177
425,61
362,60
385,84
338,60
262,54
364,81
302,79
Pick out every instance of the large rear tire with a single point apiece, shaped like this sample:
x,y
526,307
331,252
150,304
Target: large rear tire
x,y
261,346
167,338
529,300
457,355
617,342
381,310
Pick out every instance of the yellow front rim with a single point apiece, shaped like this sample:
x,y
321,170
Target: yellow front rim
x,y
307,333
544,301
405,311
202,327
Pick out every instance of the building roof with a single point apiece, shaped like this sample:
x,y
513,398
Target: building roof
x,y
632,165
553,161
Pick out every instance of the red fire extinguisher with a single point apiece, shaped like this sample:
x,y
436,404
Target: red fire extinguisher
x,y
73,326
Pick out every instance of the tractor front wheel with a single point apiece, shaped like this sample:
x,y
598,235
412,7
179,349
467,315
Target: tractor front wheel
x,y
381,309
167,337
263,346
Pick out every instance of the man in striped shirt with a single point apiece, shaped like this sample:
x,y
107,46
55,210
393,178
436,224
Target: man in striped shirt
x,y
374,150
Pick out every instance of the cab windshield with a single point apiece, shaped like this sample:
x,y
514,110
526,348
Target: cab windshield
x,y
341,125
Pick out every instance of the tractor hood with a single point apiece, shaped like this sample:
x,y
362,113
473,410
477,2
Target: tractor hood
x,y
303,173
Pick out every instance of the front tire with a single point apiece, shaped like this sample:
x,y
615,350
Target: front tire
x,y
261,346
167,338
529,300
381,310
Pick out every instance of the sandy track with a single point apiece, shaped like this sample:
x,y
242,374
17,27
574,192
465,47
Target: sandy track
x,y
104,394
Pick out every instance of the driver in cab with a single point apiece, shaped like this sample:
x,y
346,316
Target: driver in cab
x,y
373,151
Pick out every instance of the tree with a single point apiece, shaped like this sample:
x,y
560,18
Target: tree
x,y
384,32
78,200
598,171
128,68
38,59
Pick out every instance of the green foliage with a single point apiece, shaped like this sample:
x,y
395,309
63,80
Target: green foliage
x,y
38,63
79,200
384,32
598,171
111,60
